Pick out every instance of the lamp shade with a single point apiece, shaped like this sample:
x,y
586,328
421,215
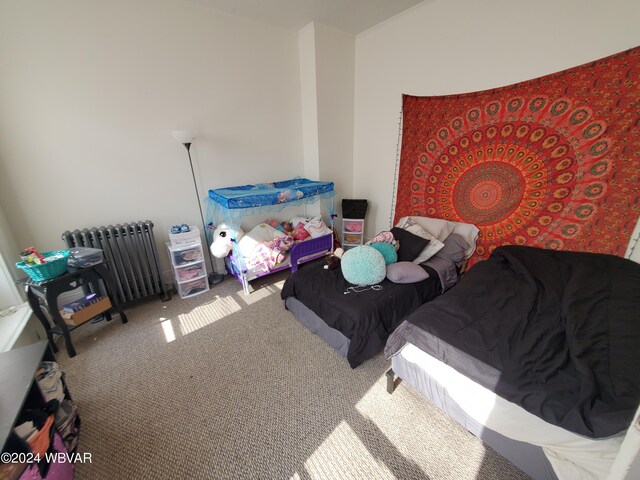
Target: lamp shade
x,y
182,136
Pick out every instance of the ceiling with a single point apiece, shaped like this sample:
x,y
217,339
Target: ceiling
x,y
353,16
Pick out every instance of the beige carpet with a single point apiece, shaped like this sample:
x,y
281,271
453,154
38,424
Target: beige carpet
x,y
227,386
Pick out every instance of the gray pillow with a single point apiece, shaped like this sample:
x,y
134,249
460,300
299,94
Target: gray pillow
x,y
406,272
446,269
454,249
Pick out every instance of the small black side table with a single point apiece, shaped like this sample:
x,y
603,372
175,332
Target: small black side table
x,y
49,290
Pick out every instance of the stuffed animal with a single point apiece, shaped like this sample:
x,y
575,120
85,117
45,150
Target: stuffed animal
x,y
333,259
223,238
274,223
286,227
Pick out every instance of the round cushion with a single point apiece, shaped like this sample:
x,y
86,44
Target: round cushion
x,y
387,250
363,266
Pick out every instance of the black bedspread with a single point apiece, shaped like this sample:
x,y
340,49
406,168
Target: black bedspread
x,y
367,316
557,333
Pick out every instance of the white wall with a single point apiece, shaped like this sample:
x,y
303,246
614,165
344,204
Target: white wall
x,y
9,250
335,60
327,67
309,100
454,46
90,91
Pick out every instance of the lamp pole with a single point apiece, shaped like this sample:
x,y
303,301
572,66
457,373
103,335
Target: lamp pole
x,y
213,277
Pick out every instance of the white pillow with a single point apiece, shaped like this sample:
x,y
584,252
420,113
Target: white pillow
x,y
317,228
470,233
441,229
434,245
435,226
259,234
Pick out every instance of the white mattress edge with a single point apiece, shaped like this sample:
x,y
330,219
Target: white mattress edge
x,y
572,456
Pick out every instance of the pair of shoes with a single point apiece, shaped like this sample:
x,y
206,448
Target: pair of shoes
x,y
184,228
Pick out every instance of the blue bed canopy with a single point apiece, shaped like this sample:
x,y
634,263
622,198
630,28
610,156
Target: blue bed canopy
x,y
231,204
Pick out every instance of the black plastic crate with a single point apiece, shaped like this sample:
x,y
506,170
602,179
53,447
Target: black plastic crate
x,y
356,209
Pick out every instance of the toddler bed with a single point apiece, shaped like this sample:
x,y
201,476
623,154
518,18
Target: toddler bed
x,y
548,373
356,321
271,251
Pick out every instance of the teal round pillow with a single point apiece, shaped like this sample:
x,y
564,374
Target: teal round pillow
x,y
363,266
387,250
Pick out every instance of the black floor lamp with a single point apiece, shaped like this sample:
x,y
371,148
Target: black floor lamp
x,y
185,138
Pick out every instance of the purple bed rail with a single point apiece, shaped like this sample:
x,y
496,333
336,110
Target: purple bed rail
x,y
310,250
300,253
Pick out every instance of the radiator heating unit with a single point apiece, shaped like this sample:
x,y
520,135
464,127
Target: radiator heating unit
x,y
132,257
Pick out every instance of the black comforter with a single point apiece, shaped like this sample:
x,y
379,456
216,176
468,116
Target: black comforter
x,y
365,316
557,333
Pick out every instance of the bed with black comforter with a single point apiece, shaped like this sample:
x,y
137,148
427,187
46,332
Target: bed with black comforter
x,y
555,332
365,315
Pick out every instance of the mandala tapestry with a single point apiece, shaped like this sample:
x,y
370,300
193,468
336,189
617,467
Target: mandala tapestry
x,y
552,162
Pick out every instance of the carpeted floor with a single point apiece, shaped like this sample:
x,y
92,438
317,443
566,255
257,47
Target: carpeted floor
x,y
227,386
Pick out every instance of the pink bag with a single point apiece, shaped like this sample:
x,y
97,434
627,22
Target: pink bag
x,y
57,471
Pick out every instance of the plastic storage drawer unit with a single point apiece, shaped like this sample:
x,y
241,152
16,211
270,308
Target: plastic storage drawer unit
x,y
352,232
193,287
186,255
189,269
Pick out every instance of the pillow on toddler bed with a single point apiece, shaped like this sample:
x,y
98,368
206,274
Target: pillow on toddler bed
x,y
300,233
263,232
259,234
317,228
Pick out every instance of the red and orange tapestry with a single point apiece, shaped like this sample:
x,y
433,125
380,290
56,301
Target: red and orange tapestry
x,y
552,162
